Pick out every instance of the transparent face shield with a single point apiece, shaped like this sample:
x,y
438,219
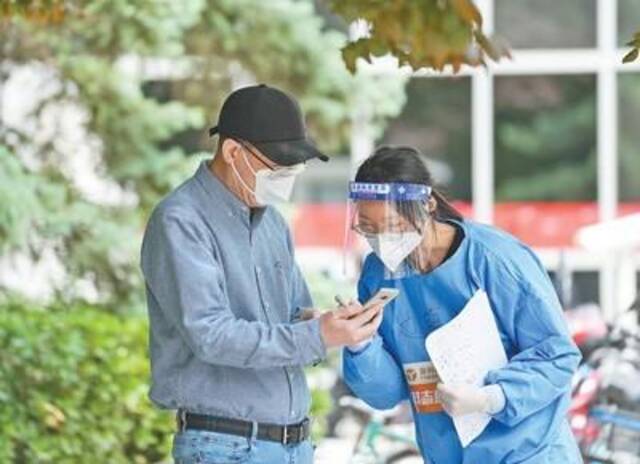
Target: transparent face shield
x,y
392,219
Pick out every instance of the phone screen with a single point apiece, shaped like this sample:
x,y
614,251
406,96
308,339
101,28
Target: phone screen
x,y
383,296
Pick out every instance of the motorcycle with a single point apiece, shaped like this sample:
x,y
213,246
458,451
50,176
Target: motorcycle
x,y
605,407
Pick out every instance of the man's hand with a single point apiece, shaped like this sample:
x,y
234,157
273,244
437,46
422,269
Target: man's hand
x,y
350,324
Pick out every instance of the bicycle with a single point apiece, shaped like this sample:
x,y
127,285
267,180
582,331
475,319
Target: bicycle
x,y
380,430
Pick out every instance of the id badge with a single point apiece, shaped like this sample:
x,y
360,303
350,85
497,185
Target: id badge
x,y
423,380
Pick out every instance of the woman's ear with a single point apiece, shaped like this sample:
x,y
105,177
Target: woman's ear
x,y
432,206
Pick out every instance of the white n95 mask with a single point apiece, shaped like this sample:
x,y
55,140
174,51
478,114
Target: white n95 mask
x,y
272,186
392,247
276,186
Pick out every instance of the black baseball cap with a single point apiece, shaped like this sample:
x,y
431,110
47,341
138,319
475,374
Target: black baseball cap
x,y
271,121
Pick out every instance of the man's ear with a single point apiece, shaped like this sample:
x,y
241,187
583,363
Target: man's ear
x,y
229,150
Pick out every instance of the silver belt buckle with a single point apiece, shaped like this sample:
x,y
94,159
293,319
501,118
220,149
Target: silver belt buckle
x,y
285,435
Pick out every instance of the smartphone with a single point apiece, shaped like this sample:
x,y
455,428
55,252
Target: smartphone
x,y
383,296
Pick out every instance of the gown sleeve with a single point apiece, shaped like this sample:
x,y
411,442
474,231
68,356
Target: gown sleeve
x,y
527,309
372,373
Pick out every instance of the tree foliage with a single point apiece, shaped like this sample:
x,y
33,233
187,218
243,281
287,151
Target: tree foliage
x,y
80,53
73,388
283,42
78,57
420,33
42,11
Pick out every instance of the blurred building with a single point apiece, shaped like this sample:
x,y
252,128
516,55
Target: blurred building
x,y
540,145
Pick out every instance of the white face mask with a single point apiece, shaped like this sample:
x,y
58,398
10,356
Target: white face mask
x,y
271,186
393,248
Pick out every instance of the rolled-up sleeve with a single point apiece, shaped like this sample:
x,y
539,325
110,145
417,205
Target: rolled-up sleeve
x,y
183,275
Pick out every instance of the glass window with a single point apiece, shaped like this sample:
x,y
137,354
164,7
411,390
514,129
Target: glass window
x,y
437,120
586,287
628,20
547,23
629,140
545,138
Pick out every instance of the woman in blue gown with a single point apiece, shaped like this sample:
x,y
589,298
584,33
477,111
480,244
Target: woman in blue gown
x,y
437,260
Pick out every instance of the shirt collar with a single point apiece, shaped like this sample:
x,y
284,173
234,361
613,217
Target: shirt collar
x,y
217,189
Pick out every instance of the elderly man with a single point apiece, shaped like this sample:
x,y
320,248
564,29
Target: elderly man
x,y
229,310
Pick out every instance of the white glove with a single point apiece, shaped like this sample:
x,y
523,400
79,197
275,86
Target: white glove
x,y
460,400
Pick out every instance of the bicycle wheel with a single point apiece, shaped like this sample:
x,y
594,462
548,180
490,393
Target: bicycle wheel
x,y
407,456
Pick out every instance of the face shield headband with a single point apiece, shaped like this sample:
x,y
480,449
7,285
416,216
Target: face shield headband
x,y
390,216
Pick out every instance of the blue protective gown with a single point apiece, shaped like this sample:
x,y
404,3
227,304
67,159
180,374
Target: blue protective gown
x,y
532,427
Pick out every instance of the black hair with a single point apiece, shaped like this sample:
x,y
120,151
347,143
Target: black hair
x,y
403,164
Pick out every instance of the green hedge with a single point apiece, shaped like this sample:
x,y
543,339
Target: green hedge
x,y
73,388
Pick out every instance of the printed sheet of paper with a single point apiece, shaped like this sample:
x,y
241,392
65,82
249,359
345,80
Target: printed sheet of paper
x,y
463,351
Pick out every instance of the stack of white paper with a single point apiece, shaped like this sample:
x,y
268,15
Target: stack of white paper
x,y
463,351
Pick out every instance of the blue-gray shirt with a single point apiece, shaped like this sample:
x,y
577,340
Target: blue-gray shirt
x,y
223,293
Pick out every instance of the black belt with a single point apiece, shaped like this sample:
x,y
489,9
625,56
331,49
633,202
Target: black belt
x,y
284,434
